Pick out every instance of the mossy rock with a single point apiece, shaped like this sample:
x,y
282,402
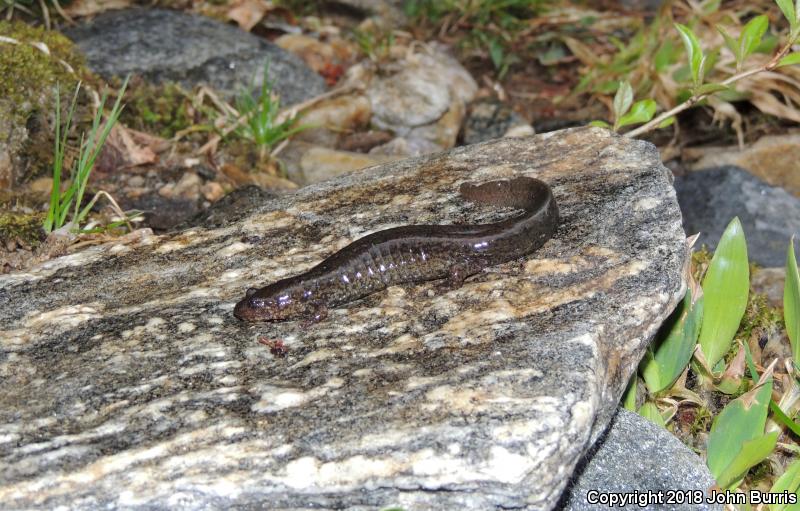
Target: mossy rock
x,y
21,227
28,78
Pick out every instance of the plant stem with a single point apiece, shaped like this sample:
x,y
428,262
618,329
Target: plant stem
x,y
696,98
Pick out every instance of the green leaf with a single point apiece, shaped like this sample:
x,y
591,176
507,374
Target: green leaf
x,y
669,121
629,399
600,124
752,453
736,441
788,9
496,53
768,44
693,50
608,87
791,301
664,57
790,59
731,43
622,99
751,35
789,482
650,412
725,288
710,6
641,111
710,88
668,356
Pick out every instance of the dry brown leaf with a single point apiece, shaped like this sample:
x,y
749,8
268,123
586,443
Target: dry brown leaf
x,y
130,153
769,104
582,51
152,142
80,8
247,13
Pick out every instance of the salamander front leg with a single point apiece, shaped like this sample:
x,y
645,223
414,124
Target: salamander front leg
x,y
457,275
319,313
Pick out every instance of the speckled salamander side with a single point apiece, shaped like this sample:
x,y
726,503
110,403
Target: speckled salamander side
x,y
413,253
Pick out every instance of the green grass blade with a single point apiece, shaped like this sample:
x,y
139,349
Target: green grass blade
x,y
784,419
58,162
791,301
725,287
55,213
93,148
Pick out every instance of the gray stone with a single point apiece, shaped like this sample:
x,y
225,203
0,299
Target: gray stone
x,y
419,91
163,45
231,207
125,381
488,118
710,199
640,459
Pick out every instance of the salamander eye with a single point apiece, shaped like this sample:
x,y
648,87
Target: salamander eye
x,y
256,302
250,292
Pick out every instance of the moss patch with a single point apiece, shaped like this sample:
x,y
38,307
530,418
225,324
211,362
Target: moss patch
x,y
26,71
163,109
24,227
28,77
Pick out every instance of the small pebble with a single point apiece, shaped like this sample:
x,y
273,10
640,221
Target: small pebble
x,y
167,191
188,186
212,191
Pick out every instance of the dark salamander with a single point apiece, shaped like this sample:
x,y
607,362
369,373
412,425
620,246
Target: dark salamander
x,y
413,253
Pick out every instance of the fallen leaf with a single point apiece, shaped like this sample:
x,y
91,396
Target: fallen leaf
x,y
247,13
129,152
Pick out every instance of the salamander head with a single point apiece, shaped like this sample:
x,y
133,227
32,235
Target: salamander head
x,y
276,302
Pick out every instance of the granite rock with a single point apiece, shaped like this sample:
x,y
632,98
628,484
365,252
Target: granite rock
x,y
164,45
125,381
636,455
710,199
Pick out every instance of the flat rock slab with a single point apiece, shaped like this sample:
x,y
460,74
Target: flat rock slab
x,y
125,381
639,460
164,45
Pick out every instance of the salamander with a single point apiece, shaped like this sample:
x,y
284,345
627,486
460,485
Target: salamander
x,y
413,253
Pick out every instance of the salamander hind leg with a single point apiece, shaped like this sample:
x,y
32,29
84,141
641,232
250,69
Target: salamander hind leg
x,y
454,279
